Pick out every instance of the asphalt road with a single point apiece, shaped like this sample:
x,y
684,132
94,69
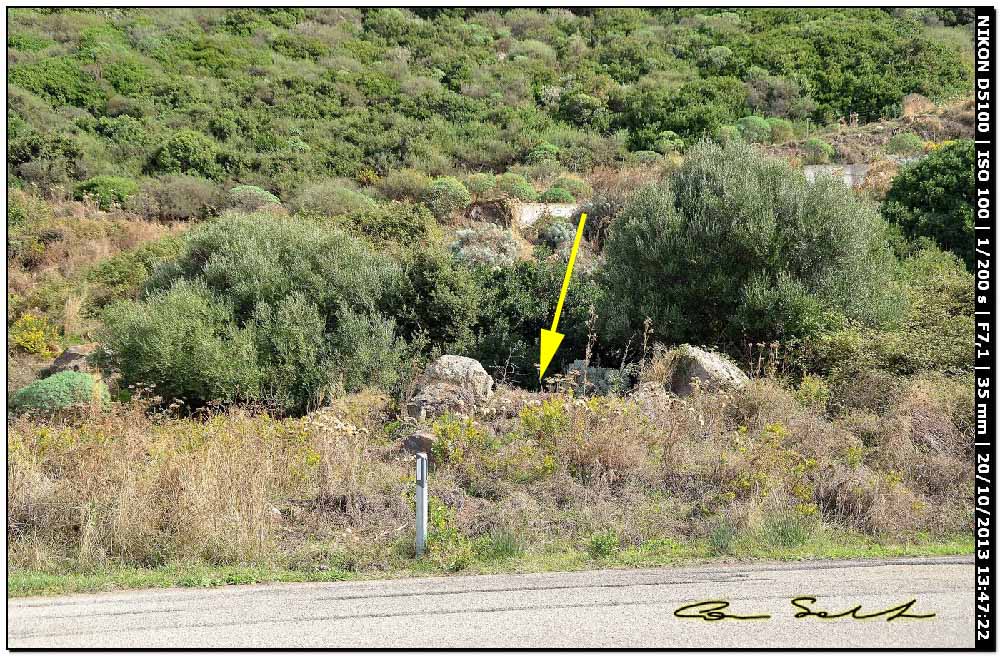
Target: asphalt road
x,y
609,608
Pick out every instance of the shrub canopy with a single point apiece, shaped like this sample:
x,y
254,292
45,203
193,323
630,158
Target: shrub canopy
x,y
933,198
59,392
737,246
259,308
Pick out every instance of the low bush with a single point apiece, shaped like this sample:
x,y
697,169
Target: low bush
x,y
33,334
556,195
556,232
59,392
543,152
481,185
781,129
249,198
754,129
904,143
404,223
107,190
177,198
512,185
404,184
485,244
817,151
331,198
578,187
445,196
189,152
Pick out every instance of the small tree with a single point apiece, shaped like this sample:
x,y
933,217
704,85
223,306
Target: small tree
x,y
739,246
933,198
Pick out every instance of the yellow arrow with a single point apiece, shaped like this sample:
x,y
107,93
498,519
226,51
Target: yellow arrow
x,y
550,338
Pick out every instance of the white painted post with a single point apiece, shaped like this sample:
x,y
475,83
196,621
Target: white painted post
x,y
421,503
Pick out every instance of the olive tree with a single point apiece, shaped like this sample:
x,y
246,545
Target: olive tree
x,y
740,246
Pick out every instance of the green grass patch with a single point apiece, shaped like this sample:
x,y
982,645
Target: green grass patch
x,y
506,554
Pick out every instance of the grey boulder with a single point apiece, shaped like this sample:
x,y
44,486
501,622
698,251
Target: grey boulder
x,y
451,383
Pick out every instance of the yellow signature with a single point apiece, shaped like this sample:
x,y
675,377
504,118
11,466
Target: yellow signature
x,y
714,610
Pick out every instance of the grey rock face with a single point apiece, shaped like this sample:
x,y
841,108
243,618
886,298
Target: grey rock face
x,y
451,383
709,371
73,359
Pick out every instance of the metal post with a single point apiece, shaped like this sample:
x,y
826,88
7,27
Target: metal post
x,y
421,503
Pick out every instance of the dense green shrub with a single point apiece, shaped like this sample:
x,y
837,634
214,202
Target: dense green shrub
x,y
445,196
781,129
934,198
261,308
331,198
737,246
185,341
60,391
817,151
109,191
904,143
543,152
519,299
250,198
401,222
513,185
60,80
933,336
698,108
188,152
754,129
556,195
440,301
481,185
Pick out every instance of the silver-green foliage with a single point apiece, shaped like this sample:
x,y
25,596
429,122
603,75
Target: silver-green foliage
x,y
259,308
59,392
486,244
738,246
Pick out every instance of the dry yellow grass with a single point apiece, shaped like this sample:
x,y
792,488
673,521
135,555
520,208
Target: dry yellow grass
x,y
138,488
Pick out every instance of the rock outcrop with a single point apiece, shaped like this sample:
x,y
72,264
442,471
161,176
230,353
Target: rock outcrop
x,y
451,383
709,371
72,359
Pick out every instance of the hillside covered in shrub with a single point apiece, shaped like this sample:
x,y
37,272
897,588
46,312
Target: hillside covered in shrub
x,y
281,98
257,227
